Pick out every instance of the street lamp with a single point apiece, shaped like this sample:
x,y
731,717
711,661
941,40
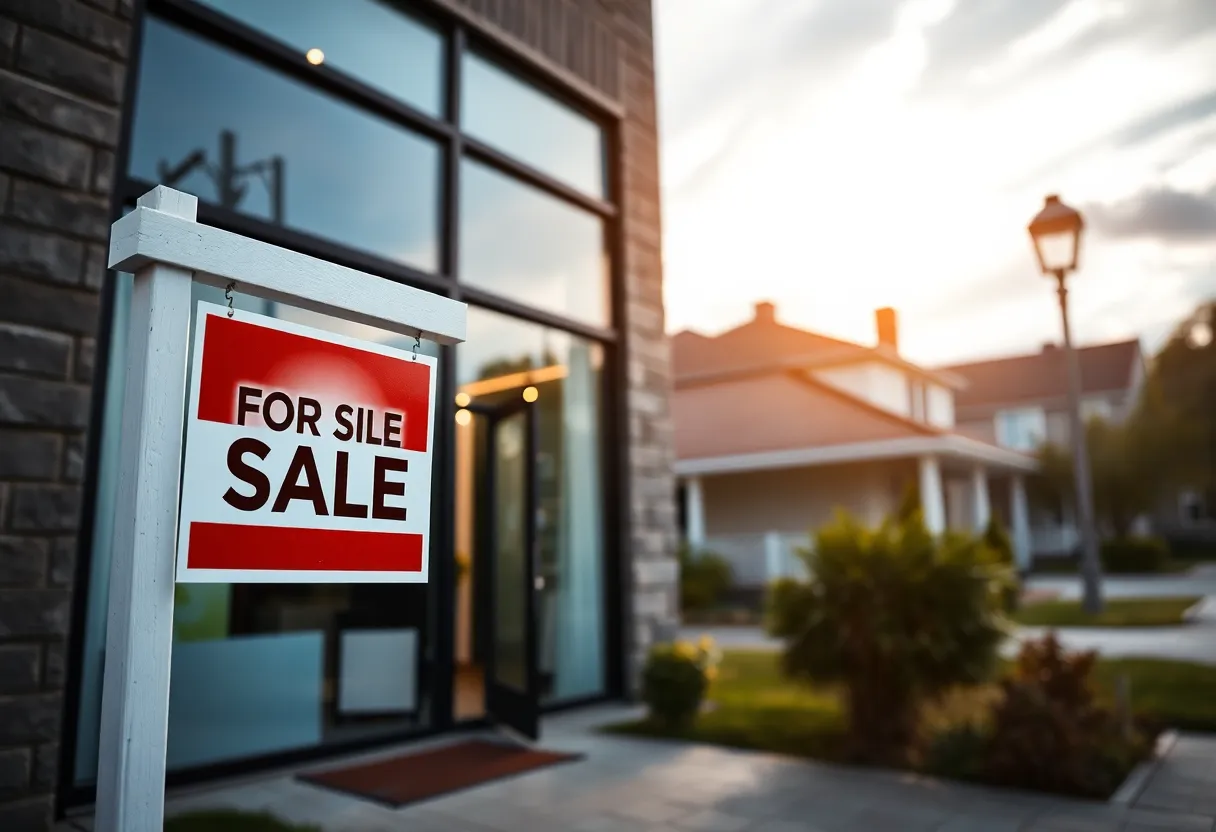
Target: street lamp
x,y
1056,233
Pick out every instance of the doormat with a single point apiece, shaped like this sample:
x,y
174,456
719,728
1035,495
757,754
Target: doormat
x,y
423,775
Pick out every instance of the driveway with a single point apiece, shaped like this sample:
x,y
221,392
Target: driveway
x,y
634,785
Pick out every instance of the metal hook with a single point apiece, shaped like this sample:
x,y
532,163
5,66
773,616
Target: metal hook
x,y
417,344
228,296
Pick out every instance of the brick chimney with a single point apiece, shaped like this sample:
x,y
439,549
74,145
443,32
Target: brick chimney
x,y
887,324
766,312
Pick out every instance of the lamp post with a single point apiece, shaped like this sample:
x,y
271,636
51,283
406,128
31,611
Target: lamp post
x,y
1056,233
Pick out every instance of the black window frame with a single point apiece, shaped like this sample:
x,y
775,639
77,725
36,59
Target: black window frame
x,y
462,31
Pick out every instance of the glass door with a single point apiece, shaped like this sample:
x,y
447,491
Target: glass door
x,y
512,681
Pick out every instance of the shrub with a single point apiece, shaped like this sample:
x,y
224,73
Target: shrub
x,y
704,578
675,679
958,752
1050,733
1135,554
894,615
997,540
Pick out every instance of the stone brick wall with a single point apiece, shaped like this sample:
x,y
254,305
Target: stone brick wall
x,y
609,45
62,65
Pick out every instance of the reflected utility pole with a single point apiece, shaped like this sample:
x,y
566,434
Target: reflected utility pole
x,y
228,176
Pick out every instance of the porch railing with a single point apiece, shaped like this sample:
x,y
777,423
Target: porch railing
x,y
757,559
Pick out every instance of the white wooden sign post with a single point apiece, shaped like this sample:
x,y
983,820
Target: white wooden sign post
x,y
166,249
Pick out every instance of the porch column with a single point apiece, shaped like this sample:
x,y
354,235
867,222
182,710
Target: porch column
x,y
1020,519
932,502
694,512
981,508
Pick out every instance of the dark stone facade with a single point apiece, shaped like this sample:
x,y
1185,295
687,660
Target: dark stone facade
x,y
62,71
62,65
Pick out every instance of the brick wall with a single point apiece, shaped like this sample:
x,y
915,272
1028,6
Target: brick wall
x,y
609,45
62,66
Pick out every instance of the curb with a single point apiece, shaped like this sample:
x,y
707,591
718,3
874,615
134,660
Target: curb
x,y
1196,611
1140,776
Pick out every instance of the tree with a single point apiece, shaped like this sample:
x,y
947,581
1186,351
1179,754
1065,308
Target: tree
x,y
1167,441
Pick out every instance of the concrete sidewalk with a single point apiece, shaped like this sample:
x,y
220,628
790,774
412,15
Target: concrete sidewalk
x,y
650,786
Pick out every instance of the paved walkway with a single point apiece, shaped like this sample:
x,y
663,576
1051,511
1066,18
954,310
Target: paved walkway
x,y
1195,642
628,784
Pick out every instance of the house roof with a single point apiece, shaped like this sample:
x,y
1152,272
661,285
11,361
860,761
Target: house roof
x,y
752,345
777,410
1044,375
763,343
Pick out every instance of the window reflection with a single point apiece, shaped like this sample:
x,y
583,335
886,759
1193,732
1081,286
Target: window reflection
x,y
524,244
264,145
502,358
366,39
521,121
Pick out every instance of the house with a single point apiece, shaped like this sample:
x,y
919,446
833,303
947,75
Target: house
x,y
1019,402
503,154
776,427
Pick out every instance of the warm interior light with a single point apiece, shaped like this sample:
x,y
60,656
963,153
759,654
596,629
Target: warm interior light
x,y
531,394
463,417
463,399
315,56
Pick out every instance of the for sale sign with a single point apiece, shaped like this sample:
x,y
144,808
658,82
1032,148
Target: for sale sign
x,y
308,456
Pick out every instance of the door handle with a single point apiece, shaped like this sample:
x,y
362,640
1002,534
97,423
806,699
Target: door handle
x,y
539,582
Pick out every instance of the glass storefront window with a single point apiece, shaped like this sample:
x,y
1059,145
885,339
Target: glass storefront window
x,y
521,121
265,145
367,39
503,358
262,668
522,243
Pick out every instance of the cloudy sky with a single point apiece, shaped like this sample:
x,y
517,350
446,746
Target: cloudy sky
x,y
839,155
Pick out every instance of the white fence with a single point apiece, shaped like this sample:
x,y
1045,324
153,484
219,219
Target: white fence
x,y
757,559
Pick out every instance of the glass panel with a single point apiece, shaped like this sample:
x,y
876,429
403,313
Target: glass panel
x,y
262,668
522,121
235,134
524,244
368,40
511,552
502,358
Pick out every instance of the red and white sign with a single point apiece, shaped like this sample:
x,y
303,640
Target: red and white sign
x,y
308,456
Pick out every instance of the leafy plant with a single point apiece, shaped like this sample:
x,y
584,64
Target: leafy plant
x,y
675,679
895,616
1049,731
704,578
958,752
1135,555
996,538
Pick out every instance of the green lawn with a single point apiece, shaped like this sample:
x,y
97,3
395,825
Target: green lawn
x,y
754,707
230,820
1117,612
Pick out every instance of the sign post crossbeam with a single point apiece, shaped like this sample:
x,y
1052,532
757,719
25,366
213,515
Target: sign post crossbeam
x,y
148,235
166,249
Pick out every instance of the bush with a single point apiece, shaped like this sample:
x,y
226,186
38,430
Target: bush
x,y
896,616
1135,554
959,752
704,578
675,679
997,540
1050,733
